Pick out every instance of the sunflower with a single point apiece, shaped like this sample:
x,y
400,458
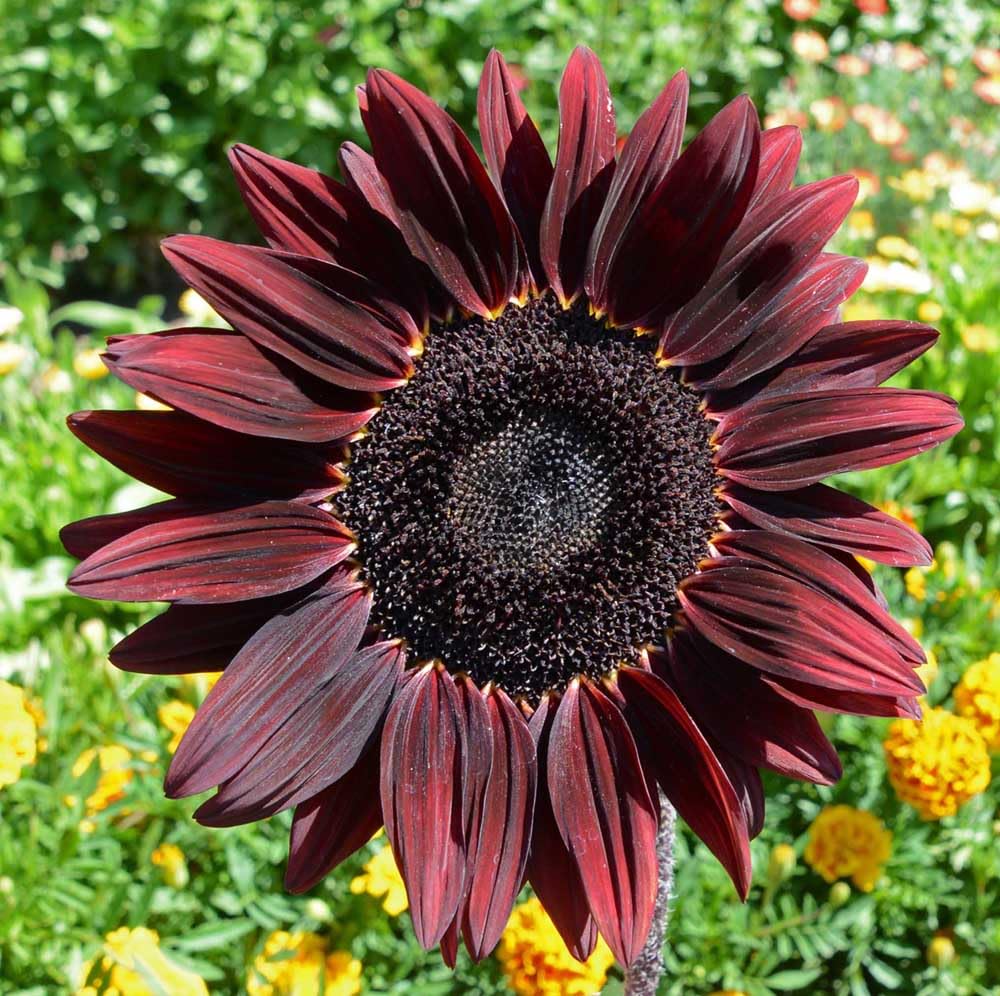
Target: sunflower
x,y
500,505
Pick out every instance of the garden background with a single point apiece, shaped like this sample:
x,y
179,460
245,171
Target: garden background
x,y
115,116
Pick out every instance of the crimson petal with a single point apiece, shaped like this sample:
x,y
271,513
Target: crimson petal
x,y
423,780
777,444
760,263
227,380
188,457
221,556
516,157
362,176
551,868
604,814
789,628
505,833
321,739
449,212
333,824
826,516
834,700
280,669
83,538
290,312
677,236
649,151
780,149
688,771
585,161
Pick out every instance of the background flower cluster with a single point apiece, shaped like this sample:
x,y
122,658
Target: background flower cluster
x,y
112,133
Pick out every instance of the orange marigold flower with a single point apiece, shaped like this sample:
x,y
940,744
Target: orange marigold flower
x,y
810,46
977,698
848,843
786,116
987,88
909,57
829,113
849,64
875,7
987,60
801,10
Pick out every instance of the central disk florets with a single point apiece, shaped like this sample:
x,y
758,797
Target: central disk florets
x,y
527,504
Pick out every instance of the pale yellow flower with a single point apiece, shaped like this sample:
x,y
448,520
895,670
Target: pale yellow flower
x,y
381,878
10,319
810,46
114,761
18,733
88,364
147,404
861,223
916,184
930,312
297,964
132,964
980,339
176,717
896,247
12,355
845,842
169,858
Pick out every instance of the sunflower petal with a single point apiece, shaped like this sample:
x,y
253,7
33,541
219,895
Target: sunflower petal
x,y
225,379
777,444
362,176
87,536
449,212
835,700
333,824
585,161
604,814
688,771
780,149
423,781
220,556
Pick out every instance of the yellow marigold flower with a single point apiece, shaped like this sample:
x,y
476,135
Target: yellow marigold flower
x,y
861,223
297,964
977,698
896,247
868,184
133,965
202,682
861,309
849,64
980,339
169,858
88,364
176,717
929,311
536,962
940,951
928,671
916,583
381,878
961,226
937,764
810,46
147,404
901,512
848,843
18,733
12,355
916,184
115,775
829,113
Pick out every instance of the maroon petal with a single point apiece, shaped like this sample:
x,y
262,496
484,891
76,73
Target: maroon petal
x,y
449,212
604,813
516,157
227,380
87,536
222,556
786,627
318,743
688,771
333,824
760,263
649,151
829,517
505,832
787,442
303,211
288,311
585,161
286,663
780,149
185,456
551,867
362,176
423,776
747,716
674,243
807,304
748,787
834,700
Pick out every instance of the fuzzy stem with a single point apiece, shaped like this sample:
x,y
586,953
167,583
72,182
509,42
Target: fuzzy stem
x,y
643,978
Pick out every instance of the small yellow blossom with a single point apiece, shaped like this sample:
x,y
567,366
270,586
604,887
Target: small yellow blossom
x,y
969,197
202,682
861,308
381,878
781,864
980,339
147,404
169,858
536,962
88,364
896,247
928,671
894,275
961,226
12,355
930,312
977,698
829,113
861,223
297,964
810,46
916,583
114,761
940,951
10,319
18,733
55,380
848,843
132,964
916,184
176,717
938,763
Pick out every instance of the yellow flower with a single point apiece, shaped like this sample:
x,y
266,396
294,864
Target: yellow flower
x,y
536,962
977,698
297,964
147,404
87,364
861,308
846,842
55,380
114,778
961,226
810,46
176,716
916,184
928,671
896,247
937,764
894,275
969,197
169,858
929,311
133,965
940,951
861,223
781,864
381,878
18,733
980,339
202,682
10,319
12,355
916,583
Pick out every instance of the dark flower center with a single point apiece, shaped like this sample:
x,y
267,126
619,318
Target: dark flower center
x,y
527,505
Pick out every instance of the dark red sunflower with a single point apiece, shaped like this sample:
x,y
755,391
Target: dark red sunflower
x,y
504,495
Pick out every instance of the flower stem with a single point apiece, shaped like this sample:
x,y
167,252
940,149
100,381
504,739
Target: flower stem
x,y
643,977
